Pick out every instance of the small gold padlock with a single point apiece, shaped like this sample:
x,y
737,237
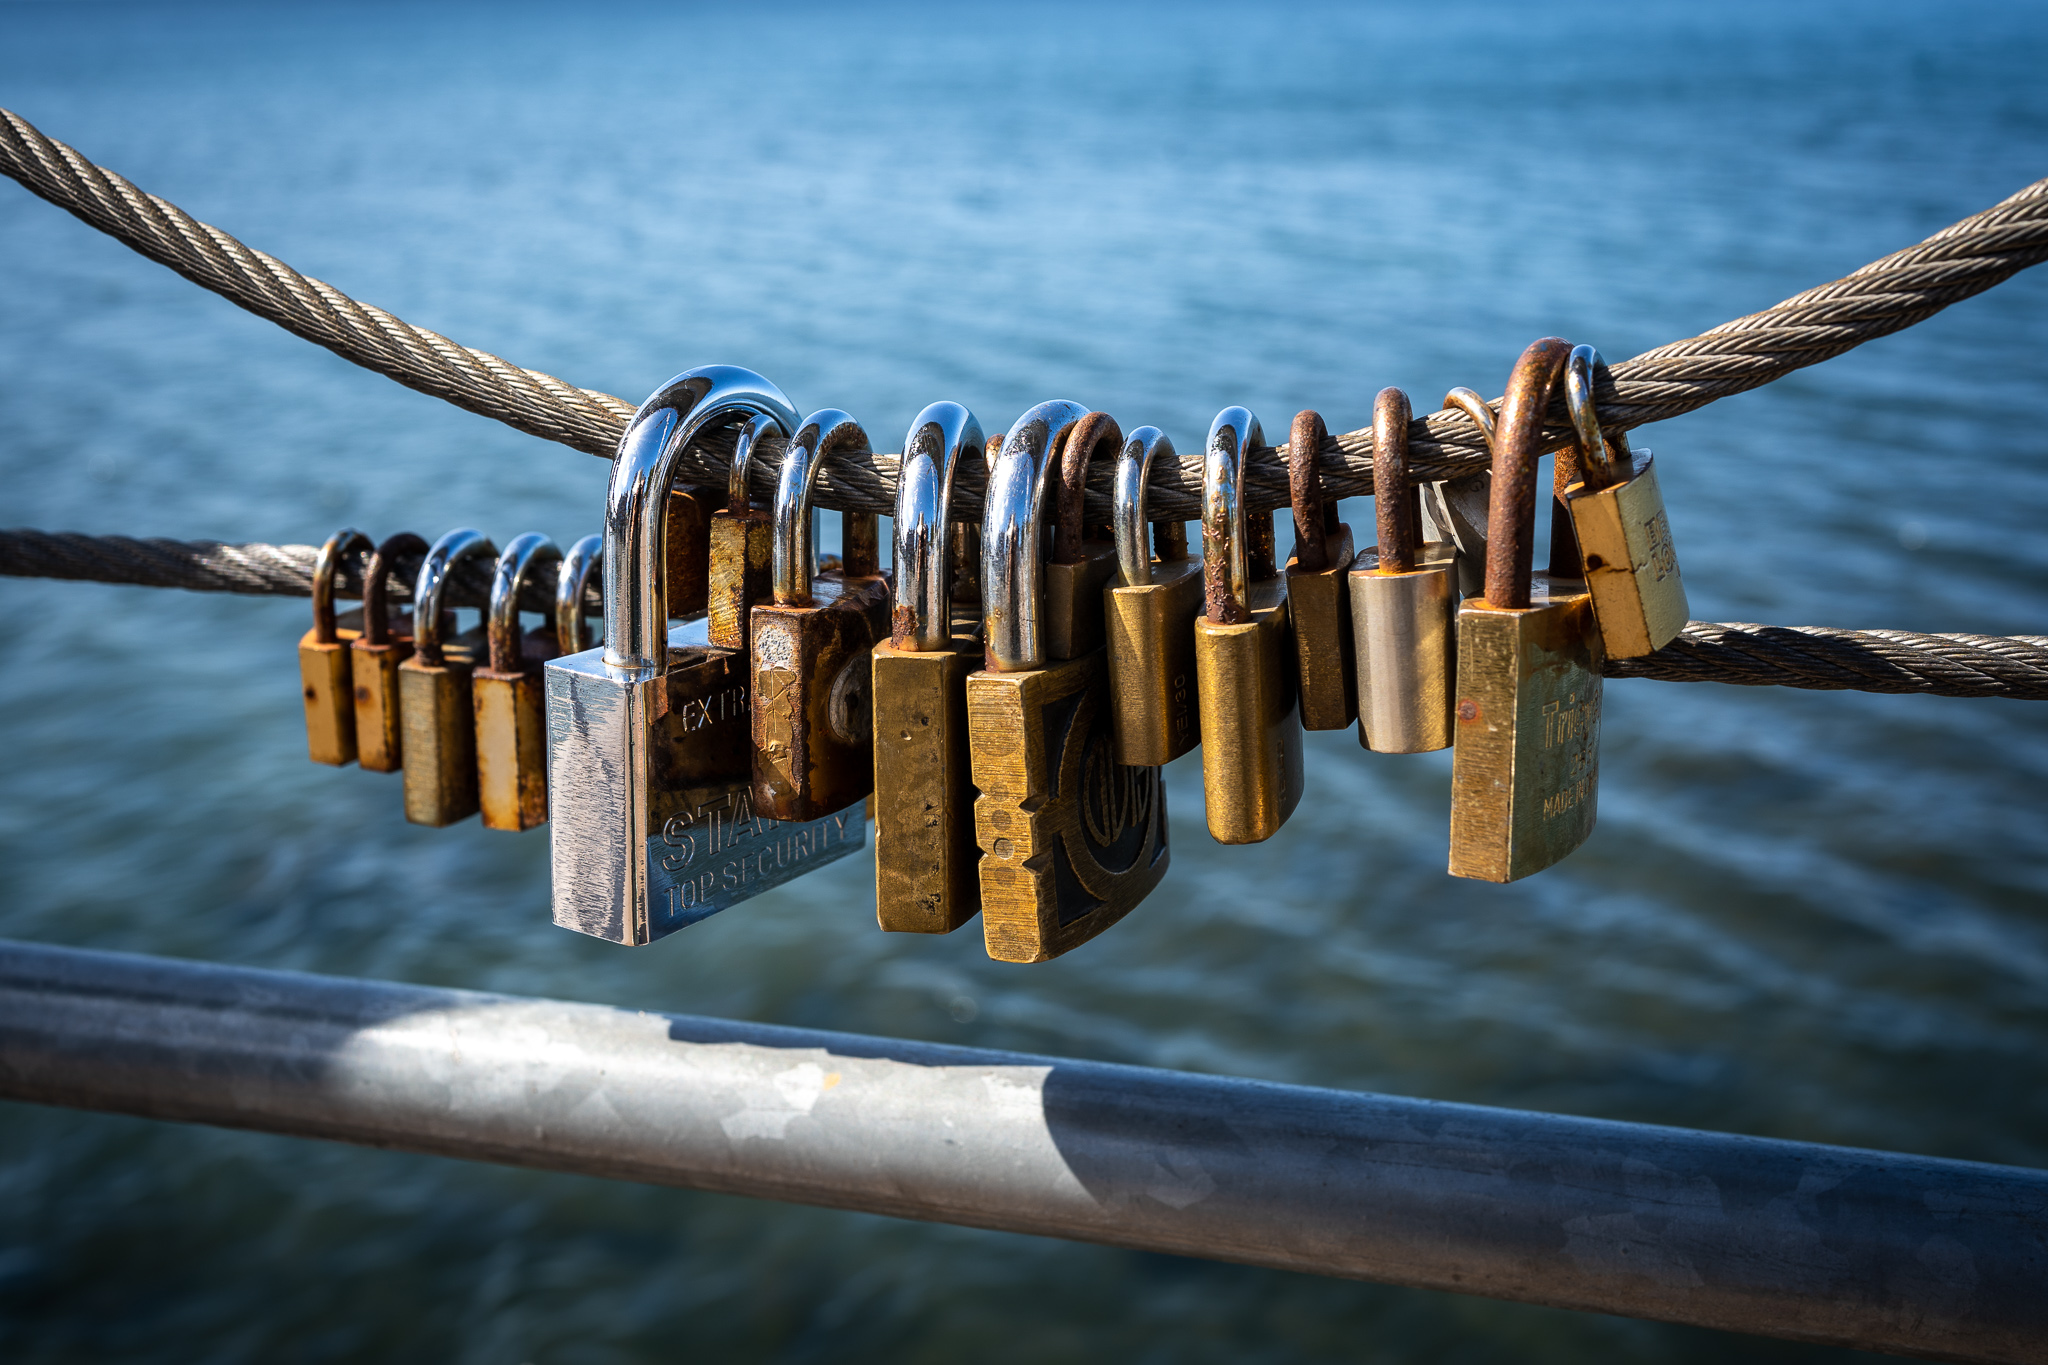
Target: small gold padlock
x,y
927,874
1404,603
386,642
510,701
1149,618
1525,775
1071,839
434,692
1624,534
1317,605
572,596
814,739
742,545
323,658
1251,726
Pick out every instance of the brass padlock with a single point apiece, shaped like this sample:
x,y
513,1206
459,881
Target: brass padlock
x,y
1071,839
1244,660
1149,618
927,874
652,824
1404,604
1318,608
386,642
435,699
323,659
1624,535
511,710
1525,775
1082,565
814,737
572,595
742,545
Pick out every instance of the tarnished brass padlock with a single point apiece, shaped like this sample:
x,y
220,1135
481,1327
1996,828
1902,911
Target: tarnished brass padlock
x,y
436,705
1251,726
1071,839
511,710
1149,617
1082,565
742,545
1623,532
927,874
1525,776
386,642
1404,604
814,737
1318,608
323,658
652,824
572,595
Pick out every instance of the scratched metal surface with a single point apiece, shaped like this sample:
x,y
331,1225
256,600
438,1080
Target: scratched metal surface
x,y
1802,915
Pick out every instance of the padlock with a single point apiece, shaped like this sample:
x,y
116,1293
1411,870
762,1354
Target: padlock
x,y
1082,565
814,736
927,874
1149,617
742,545
652,824
1071,839
1244,660
511,710
1525,774
1624,535
323,658
386,642
436,706
572,595
1318,609
1404,604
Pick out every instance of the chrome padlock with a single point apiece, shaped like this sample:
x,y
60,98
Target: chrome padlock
x,y
1071,839
1525,775
1624,535
742,545
814,736
374,658
511,709
436,705
1317,606
652,823
572,596
323,658
1251,725
927,873
1404,605
1149,618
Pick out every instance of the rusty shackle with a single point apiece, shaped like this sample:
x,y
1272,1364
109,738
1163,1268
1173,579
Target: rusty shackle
x,y
1094,431
1511,504
376,595
341,544
1315,516
1396,507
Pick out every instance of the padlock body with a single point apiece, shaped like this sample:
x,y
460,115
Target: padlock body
x,y
328,694
1251,725
1153,691
652,823
813,717
1071,839
440,741
1406,629
742,574
1525,775
1631,567
687,551
373,671
1073,601
1326,663
511,749
927,873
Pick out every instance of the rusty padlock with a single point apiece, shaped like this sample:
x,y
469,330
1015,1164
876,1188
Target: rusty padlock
x,y
1318,608
511,706
323,658
742,544
386,642
434,695
1149,618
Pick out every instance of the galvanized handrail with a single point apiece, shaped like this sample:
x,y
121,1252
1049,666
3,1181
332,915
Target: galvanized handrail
x,y
1889,1252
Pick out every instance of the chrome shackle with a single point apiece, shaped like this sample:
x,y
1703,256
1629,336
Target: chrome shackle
x,y
572,588
823,433
1012,534
1127,501
526,553
432,583
1227,576
1603,459
939,439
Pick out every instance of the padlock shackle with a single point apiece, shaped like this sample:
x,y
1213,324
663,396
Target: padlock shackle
x,y
515,566
737,496
1313,514
824,432
1226,578
940,437
376,583
1473,406
572,587
692,404
1013,535
447,552
1069,529
348,541
1603,460
1393,500
1511,502
1127,501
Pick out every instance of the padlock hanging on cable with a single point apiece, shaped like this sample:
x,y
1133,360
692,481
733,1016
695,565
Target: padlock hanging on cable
x,y
323,658
1318,607
742,538
511,713
436,703
1149,617
376,655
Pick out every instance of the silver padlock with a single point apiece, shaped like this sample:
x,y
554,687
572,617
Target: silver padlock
x,y
652,822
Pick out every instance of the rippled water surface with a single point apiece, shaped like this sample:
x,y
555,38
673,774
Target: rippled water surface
x,y
1804,914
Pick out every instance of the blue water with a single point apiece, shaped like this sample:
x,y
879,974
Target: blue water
x,y
1806,915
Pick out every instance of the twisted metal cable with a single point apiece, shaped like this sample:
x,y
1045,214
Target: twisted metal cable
x,y
1883,297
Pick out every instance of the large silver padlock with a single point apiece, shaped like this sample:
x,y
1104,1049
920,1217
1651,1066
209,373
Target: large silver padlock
x,y
652,821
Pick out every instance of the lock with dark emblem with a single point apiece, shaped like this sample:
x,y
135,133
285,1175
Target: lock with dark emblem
x,y
1149,617
323,659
